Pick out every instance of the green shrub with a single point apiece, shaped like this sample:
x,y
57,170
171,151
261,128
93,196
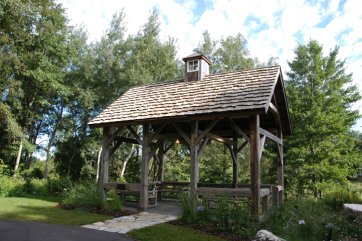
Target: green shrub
x,y
86,196
113,203
83,196
308,219
58,186
234,216
11,186
35,187
188,209
338,197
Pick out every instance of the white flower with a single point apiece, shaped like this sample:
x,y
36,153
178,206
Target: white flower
x,y
301,222
200,208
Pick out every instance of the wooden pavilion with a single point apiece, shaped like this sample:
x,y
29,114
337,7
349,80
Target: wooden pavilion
x,y
235,108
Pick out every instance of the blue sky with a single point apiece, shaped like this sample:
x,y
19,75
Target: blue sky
x,y
273,28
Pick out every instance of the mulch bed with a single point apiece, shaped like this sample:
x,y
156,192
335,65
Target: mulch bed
x,y
115,214
210,229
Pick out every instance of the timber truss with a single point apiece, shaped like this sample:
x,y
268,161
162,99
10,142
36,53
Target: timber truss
x,y
234,132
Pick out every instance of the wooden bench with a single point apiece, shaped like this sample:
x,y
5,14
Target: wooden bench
x,y
210,194
130,194
171,189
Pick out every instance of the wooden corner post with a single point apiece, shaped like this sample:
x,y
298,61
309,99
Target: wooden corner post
x,y
280,166
194,167
104,179
255,169
160,157
145,168
235,160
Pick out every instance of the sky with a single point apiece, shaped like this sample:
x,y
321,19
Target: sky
x,y
273,28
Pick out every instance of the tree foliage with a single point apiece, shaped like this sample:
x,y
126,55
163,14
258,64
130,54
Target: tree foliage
x,y
320,95
227,54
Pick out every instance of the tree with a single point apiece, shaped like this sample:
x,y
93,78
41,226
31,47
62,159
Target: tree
x,y
227,54
33,54
320,96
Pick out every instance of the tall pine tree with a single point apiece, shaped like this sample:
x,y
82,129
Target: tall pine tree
x,y
321,96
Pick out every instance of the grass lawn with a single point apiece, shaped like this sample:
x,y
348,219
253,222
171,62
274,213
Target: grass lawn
x,y
169,232
44,210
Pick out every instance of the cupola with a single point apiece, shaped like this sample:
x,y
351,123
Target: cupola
x,y
196,66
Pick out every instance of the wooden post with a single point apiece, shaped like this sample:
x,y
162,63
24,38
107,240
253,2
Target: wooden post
x,y
235,161
145,168
160,155
255,164
105,163
280,166
194,169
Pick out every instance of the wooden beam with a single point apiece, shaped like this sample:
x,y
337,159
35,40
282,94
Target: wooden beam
x,y
261,148
242,146
158,131
113,136
237,129
219,138
203,146
169,147
255,169
160,158
194,167
273,109
207,130
135,135
153,148
280,164
145,168
182,133
126,140
104,179
270,136
234,151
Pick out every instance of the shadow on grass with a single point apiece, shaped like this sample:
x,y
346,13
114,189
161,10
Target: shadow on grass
x,y
44,210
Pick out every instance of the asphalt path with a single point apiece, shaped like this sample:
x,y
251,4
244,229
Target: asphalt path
x,y
32,231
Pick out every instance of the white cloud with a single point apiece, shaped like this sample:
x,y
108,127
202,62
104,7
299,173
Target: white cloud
x,y
285,23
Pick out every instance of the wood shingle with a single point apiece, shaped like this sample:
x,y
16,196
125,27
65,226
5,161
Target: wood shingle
x,y
238,91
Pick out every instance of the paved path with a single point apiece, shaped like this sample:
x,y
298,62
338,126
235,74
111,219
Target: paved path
x,y
31,231
166,211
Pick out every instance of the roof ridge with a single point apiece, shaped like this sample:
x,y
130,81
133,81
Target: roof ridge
x,y
245,70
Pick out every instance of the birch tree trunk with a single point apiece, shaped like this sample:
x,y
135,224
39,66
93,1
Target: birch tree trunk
x,y
98,163
17,161
124,165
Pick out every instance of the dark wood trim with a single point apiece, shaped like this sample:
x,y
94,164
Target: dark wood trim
x,y
201,117
182,133
242,146
114,135
207,130
203,146
135,135
270,136
238,130
158,131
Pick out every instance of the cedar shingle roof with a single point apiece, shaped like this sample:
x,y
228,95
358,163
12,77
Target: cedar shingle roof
x,y
246,90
